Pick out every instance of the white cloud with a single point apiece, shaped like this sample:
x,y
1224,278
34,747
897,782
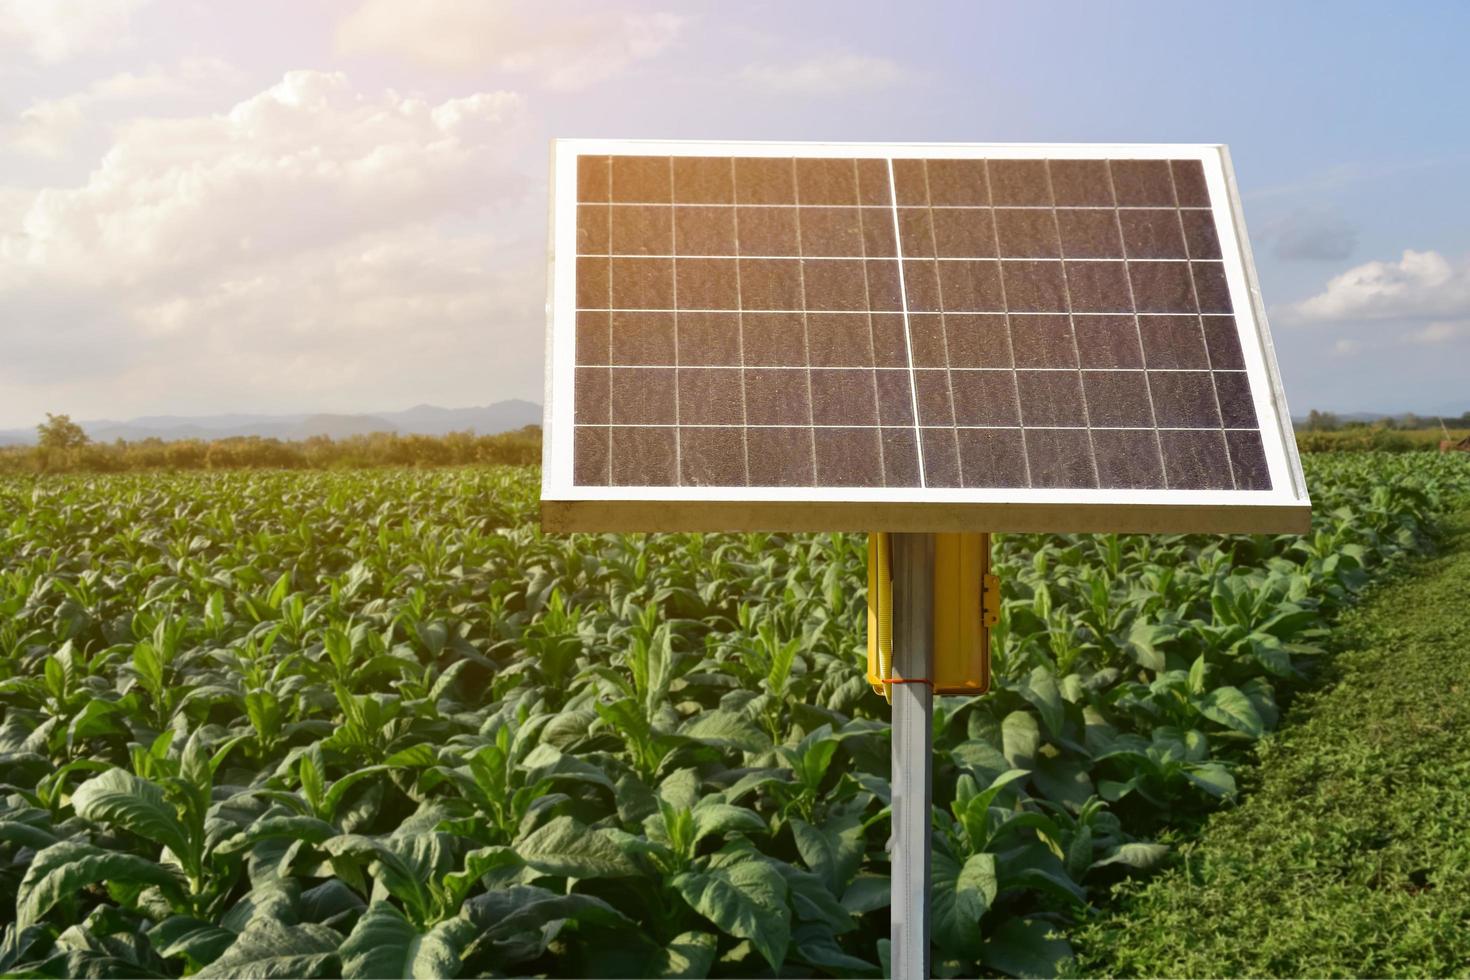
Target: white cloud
x,y
837,73
562,49
1420,285
49,127
306,162
51,31
313,244
1441,332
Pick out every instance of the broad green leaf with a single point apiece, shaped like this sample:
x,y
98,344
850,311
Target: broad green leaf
x,y
813,902
506,912
1040,688
1211,777
196,941
1142,639
1197,674
122,800
25,834
681,788
1025,948
690,954
331,900
1230,707
814,944
746,900
410,864
833,851
954,910
566,847
1020,738
978,876
477,863
63,870
726,728
723,818
1053,881
338,790
272,901
385,944
867,893
418,756
97,718
269,950
1063,779
1077,858
1136,854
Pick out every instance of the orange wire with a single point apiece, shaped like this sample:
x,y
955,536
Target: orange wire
x,y
908,680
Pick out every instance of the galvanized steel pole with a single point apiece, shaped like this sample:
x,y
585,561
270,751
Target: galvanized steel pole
x,y
913,712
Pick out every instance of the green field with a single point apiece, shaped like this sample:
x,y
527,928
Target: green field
x,y
375,724
1352,841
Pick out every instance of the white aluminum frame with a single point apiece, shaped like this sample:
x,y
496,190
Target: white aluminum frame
x,y
568,507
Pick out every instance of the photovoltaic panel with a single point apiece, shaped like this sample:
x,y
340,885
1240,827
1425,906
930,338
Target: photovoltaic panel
x,y
900,337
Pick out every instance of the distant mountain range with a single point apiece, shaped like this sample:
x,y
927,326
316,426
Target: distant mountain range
x,y
429,420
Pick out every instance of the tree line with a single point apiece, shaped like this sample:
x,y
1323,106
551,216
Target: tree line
x,y
1408,422
64,447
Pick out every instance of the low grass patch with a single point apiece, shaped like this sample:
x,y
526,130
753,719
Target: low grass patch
x,y
1350,855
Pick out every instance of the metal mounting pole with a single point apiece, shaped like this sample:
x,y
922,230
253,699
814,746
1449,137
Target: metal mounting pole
x,y
913,712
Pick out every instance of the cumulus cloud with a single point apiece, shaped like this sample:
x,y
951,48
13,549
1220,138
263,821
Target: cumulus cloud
x,y
1421,285
51,31
1442,332
306,162
560,48
834,73
49,127
314,243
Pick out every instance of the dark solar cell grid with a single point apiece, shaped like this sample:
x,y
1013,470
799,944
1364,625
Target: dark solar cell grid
x,y
943,323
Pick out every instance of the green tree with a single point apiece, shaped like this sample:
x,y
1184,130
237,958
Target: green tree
x,y
1322,421
60,434
61,442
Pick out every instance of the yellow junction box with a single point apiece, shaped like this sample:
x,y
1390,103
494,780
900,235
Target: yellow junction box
x,y
966,605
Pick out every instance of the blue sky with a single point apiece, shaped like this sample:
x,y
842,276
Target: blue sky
x,y
339,205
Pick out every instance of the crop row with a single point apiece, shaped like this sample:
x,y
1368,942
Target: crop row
x,y
288,724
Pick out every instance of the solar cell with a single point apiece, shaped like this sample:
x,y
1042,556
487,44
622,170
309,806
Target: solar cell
x,y
767,335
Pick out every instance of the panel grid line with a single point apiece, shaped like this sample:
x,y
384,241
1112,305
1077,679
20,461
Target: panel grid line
x,y
854,258
739,335
1010,341
908,336
1007,313
806,334
609,326
1138,327
957,370
959,464
1204,339
940,428
1072,330
882,207
872,335
674,274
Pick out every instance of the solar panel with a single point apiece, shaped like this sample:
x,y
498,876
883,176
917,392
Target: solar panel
x,y
823,336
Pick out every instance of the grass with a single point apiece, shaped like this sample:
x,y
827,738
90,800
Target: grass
x,y
1350,855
